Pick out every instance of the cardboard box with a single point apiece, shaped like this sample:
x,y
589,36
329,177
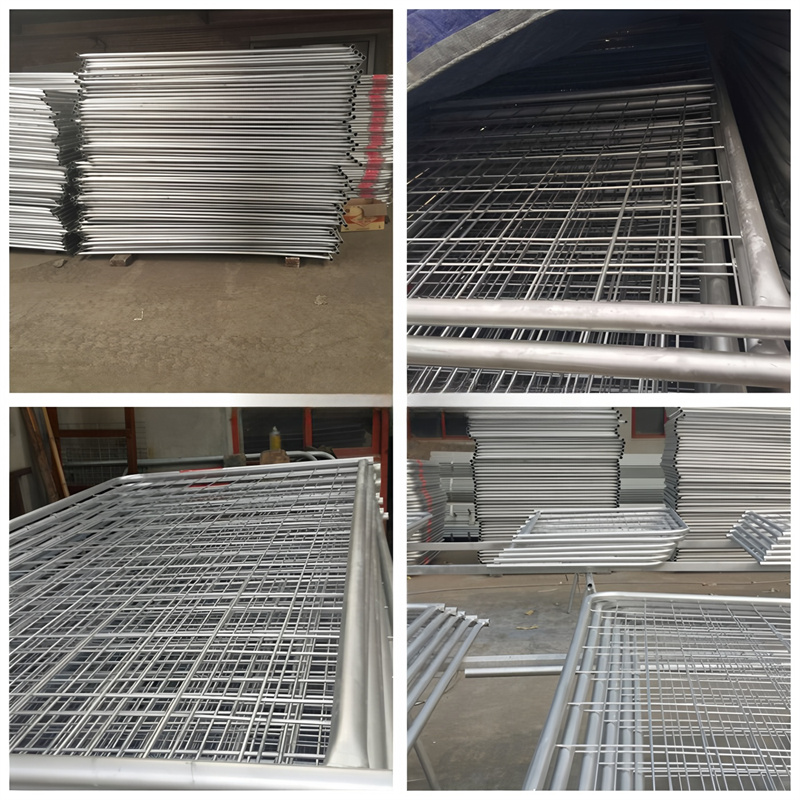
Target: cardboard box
x,y
364,214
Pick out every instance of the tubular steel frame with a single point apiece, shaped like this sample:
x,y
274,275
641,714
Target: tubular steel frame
x,y
214,629
614,198
438,637
671,692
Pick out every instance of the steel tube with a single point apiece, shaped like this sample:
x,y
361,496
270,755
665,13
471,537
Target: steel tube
x,y
76,772
638,317
422,718
348,745
746,369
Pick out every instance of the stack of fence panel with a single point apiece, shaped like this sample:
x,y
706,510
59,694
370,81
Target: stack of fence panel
x,y
438,638
203,630
641,479
216,152
543,458
578,539
425,494
455,470
719,463
766,535
43,146
370,171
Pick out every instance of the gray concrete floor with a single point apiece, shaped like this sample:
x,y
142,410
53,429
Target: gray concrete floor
x,y
484,731
203,323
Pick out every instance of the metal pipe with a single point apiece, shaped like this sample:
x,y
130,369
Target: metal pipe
x,y
746,369
88,772
419,722
763,275
632,316
348,745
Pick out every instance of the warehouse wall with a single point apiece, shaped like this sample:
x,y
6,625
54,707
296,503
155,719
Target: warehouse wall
x,y
52,39
166,432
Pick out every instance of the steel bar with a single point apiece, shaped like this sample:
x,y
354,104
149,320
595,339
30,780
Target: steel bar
x,y
199,616
243,149
670,692
667,364
676,318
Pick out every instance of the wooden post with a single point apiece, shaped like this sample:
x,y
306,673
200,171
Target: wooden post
x,y
40,456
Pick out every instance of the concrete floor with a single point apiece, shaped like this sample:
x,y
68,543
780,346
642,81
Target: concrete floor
x,y
202,323
484,731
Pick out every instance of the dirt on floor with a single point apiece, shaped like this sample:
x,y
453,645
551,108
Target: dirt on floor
x,y
203,323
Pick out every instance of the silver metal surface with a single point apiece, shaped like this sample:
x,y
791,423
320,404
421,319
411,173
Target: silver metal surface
x,y
586,539
671,692
719,463
424,495
223,151
43,141
438,638
542,458
766,535
212,616
608,195
369,169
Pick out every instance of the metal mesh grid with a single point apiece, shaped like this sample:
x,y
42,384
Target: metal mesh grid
x,y
611,199
183,616
671,693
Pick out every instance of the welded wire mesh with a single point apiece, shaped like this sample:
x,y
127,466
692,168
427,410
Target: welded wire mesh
x,y
219,151
183,616
671,692
766,535
616,195
720,462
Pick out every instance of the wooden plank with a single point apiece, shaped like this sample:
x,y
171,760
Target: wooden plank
x,y
42,463
59,468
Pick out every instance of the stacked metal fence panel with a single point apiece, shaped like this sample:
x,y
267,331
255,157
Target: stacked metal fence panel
x,y
438,638
201,617
671,692
216,152
542,458
370,171
588,539
766,535
641,478
425,495
719,463
455,469
43,142
626,199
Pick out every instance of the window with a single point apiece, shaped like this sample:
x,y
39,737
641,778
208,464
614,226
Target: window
x,y
648,422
